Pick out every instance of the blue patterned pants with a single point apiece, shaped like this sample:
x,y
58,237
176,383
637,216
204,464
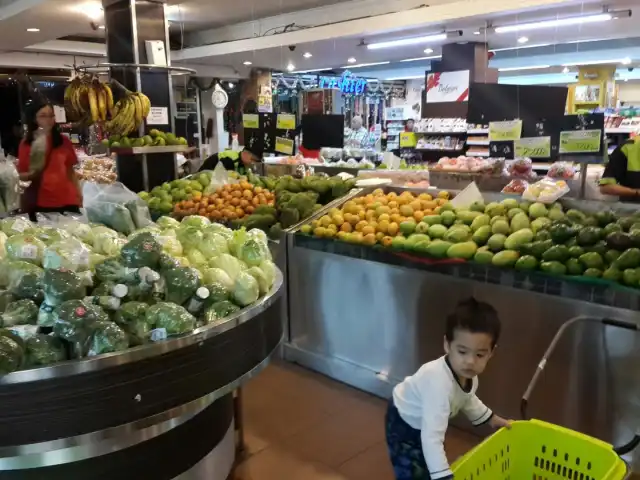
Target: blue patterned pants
x,y
405,448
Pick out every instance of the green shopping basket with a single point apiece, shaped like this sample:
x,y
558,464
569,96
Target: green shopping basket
x,y
536,450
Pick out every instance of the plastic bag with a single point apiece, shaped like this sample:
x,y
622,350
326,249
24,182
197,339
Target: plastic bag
x,y
106,337
11,352
9,185
73,322
25,280
219,178
517,186
143,251
546,190
218,311
172,318
139,212
25,247
106,204
561,170
71,255
15,225
43,350
58,286
180,284
131,317
20,312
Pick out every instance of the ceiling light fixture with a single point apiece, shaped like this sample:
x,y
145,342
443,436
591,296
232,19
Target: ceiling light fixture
x,y
598,62
291,67
313,70
565,70
477,32
531,67
558,22
230,85
407,41
101,27
506,49
33,29
352,60
410,77
247,63
360,65
93,10
428,50
417,59
307,55
523,39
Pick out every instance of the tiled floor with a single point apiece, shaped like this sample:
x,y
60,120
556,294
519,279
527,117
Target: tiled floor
x,y
300,425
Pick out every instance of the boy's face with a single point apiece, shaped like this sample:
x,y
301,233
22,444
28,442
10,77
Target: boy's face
x,y
469,352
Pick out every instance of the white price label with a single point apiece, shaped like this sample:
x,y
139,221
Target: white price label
x,y
158,116
158,334
29,251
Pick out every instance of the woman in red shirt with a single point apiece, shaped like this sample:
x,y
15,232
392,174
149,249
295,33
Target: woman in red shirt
x,y
55,187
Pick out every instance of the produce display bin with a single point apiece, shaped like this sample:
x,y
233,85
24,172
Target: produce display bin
x,y
163,410
369,317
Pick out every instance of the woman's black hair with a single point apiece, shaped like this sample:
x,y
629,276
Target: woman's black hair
x,y
32,125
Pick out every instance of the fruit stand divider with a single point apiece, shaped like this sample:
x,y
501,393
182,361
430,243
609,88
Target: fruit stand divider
x,y
368,318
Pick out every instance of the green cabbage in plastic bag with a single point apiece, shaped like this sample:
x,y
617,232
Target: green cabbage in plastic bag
x,y
230,264
132,319
170,245
50,235
270,271
174,319
167,222
143,251
213,244
261,278
20,312
217,275
219,229
152,229
70,254
219,311
197,221
25,247
25,280
253,253
81,231
259,235
236,241
245,290
180,284
190,237
3,242
43,350
15,225
196,258
106,337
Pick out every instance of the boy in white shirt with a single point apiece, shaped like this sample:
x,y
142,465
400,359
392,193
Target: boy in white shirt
x,y
418,415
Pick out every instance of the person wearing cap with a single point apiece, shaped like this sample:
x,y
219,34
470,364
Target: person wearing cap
x,y
621,175
232,160
54,185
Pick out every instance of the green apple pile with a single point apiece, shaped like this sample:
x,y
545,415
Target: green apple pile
x,y
155,138
163,197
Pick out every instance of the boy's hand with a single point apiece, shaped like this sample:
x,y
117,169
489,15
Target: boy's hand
x,y
498,422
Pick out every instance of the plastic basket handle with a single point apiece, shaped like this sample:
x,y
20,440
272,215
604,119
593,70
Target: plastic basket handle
x,y
628,325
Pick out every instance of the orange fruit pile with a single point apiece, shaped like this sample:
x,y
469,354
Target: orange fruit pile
x,y
229,202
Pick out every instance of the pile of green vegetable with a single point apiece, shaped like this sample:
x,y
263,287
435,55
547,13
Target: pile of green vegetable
x,y
296,199
81,290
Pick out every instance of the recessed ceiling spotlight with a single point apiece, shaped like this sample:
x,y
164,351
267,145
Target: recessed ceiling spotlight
x,y
247,63
565,70
291,67
428,50
307,55
33,29
523,40
626,61
477,32
230,85
101,27
352,60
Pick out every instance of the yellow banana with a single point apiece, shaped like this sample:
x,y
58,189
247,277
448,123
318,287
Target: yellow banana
x,y
138,109
146,104
93,104
102,102
109,93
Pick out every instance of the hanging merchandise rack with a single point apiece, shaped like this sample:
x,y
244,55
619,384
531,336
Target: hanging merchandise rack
x,y
106,67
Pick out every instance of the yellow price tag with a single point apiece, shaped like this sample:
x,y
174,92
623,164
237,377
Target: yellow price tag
x,y
580,141
284,145
505,131
533,147
251,120
285,121
408,140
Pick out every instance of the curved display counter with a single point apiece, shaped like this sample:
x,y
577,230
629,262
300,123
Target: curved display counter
x,y
159,411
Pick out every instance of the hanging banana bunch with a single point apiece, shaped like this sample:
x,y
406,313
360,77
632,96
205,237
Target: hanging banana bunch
x,y
128,113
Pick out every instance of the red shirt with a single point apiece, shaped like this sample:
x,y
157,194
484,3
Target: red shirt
x,y
56,188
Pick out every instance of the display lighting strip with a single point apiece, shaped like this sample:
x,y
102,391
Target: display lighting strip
x,y
402,42
558,22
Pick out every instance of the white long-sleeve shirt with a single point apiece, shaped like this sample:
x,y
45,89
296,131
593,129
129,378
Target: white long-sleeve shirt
x,y
428,399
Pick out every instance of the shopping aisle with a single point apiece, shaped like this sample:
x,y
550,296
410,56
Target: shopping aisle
x,y
300,425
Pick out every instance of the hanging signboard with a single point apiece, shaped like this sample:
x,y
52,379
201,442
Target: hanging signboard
x,y
285,121
284,145
581,141
250,120
533,147
505,131
347,83
408,140
448,87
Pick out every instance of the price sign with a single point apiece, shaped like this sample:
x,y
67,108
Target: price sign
x,y
505,131
250,120
284,145
286,122
408,140
581,141
533,147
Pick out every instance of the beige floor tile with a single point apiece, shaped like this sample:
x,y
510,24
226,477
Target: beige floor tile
x,y
372,464
276,463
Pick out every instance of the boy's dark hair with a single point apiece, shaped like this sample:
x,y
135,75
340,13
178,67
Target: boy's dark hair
x,y
475,317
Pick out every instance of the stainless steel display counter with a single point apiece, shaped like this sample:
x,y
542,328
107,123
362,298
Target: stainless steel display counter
x,y
161,411
369,318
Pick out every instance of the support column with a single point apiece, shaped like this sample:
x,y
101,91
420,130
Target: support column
x,y
472,56
129,25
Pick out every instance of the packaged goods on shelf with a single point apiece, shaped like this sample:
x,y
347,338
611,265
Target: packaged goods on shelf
x,y
547,190
516,186
470,164
440,143
562,170
99,169
441,125
520,168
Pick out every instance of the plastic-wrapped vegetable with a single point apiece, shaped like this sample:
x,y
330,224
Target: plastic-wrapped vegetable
x,y
9,185
197,221
25,280
167,261
217,292
219,229
43,350
217,275
80,230
152,229
253,252
180,284
15,225
269,269
106,337
113,270
59,286
11,352
263,283
94,259
25,247
170,245
108,244
70,254
74,321
114,215
190,237
218,311
259,235
167,222
245,290
172,318
3,242
213,245
139,213
230,264
20,312
5,299
51,235
143,251
196,258
132,319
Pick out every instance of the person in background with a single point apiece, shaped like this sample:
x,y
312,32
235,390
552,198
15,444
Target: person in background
x,y
54,186
421,406
621,175
235,161
409,125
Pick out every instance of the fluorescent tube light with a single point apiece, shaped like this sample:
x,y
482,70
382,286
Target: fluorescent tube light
x,y
417,59
410,77
506,49
313,70
624,61
360,65
558,22
531,67
407,41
